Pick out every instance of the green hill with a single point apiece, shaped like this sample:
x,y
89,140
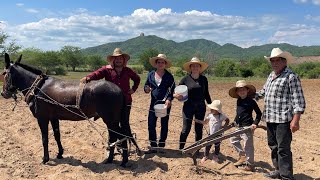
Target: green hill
x,y
202,47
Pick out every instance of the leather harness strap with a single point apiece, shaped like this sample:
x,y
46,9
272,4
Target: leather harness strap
x,y
31,92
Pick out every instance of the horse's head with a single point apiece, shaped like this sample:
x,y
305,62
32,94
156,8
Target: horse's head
x,y
9,88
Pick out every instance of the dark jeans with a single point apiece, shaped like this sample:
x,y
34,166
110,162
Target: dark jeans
x,y
216,149
190,109
152,123
279,141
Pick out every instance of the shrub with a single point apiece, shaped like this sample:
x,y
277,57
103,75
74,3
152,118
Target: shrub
x,y
180,72
137,69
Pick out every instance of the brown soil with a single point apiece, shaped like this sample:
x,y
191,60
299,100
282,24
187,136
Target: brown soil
x,y
85,145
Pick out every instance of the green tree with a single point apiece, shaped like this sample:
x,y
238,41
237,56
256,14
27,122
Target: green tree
x,y
49,61
95,61
72,56
145,56
225,68
7,47
32,56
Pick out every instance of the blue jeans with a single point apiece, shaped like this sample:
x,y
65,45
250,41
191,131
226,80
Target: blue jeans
x,y
152,123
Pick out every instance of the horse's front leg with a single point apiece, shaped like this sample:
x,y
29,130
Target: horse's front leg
x,y
56,132
43,124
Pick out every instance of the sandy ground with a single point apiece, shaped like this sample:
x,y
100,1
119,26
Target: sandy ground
x,y
85,145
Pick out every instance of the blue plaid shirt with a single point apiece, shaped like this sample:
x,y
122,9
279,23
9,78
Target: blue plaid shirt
x,y
283,97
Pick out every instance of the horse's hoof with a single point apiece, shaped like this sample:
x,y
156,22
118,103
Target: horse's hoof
x,y
124,165
59,156
107,161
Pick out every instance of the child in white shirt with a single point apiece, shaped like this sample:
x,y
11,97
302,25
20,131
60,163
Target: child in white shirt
x,y
215,119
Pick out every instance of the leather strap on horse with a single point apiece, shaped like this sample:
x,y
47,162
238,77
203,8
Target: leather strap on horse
x,y
31,92
79,94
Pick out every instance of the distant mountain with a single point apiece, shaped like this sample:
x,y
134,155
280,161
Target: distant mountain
x,y
135,46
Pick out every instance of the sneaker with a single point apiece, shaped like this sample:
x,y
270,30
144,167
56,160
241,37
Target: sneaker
x,y
273,175
248,167
203,159
241,161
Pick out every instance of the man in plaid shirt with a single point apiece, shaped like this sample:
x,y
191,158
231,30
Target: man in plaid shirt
x,y
284,104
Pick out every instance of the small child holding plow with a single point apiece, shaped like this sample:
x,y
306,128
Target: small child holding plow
x,y
245,106
215,119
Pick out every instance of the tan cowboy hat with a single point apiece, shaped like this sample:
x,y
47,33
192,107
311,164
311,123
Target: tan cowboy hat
x,y
162,57
195,60
239,84
117,52
216,105
277,52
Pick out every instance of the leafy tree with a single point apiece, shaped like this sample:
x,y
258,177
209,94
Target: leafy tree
x,y
32,56
6,47
95,61
72,56
225,68
50,60
145,56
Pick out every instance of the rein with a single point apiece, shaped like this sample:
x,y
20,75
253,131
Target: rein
x,y
35,85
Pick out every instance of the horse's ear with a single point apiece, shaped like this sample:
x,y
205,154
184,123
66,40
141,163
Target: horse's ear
x,y
7,60
19,59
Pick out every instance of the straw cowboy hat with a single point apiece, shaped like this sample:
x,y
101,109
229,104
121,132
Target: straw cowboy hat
x,y
117,52
216,105
195,60
277,52
153,60
239,84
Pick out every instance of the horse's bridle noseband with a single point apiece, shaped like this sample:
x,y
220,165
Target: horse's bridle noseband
x,y
9,89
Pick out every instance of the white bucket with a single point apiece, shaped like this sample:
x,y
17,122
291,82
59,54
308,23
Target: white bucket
x,y
160,110
183,90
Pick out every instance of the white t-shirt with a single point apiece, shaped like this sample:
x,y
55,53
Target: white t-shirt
x,y
215,122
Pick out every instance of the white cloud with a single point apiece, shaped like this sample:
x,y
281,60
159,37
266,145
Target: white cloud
x,y
297,34
315,2
3,25
30,10
19,4
85,30
312,18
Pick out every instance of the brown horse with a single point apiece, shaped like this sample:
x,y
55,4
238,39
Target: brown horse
x,y
52,99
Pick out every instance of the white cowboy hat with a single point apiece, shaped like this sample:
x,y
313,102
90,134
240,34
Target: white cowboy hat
x,y
216,105
277,52
195,60
117,52
153,60
239,84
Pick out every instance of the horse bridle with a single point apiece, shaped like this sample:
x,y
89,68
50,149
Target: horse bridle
x,y
9,89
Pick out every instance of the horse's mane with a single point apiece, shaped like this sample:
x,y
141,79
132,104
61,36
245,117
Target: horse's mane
x,y
29,68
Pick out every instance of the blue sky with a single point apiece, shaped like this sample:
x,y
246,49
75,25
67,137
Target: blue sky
x,y
52,24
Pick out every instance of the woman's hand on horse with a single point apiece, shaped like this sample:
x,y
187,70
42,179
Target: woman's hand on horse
x,y
84,80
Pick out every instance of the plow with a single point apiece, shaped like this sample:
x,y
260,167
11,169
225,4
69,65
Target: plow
x,y
216,137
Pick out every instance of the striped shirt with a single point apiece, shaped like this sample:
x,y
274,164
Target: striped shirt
x,y
283,97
